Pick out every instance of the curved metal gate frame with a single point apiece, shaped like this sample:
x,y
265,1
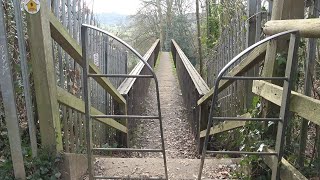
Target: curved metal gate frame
x,y
88,116
282,120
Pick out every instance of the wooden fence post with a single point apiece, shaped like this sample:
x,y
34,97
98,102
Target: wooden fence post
x,y
294,9
309,70
9,103
203,121
44,79
251,33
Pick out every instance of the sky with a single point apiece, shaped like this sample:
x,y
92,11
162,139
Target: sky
x,y
126,7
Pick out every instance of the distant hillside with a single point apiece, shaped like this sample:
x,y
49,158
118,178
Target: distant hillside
x,y
112,19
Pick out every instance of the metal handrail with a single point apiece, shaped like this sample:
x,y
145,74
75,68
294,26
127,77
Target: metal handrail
x,y
84,32
123,43
216,88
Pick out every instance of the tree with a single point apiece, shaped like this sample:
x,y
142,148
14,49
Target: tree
x,y
170,19
199,37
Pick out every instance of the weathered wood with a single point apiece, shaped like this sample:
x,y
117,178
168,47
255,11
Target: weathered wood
x,y
287,171
69,100
44,78
308,28
226,126
304,106
309,70
127,84
71,46
65,129
252,59
250,38
195,76
9,103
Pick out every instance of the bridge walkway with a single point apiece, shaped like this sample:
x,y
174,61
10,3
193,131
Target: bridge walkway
x,y
181,150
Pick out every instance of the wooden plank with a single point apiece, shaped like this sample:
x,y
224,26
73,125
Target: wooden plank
x,y
308,28
225,126
252,59
287,171
127,84
199,83
44,78
303,105
9,103
69,100
71,46
65,129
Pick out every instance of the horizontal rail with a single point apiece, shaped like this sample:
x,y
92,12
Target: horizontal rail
x,y
127,149
67,99
226,126
253,78
287,171
243,152
127,84
120,75
125,116
254,57
308,28
61,35
304,106
245,119
198,81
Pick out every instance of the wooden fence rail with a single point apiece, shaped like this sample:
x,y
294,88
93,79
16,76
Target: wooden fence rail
x,y
193,87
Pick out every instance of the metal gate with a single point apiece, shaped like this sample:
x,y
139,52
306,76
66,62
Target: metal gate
x,y
284,110
88,117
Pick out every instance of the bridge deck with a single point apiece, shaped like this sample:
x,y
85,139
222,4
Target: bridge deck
x,y
179,140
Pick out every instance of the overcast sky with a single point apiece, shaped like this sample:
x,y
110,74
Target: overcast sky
x,y
127,7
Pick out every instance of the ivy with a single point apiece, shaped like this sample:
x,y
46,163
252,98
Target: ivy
x,y
43,167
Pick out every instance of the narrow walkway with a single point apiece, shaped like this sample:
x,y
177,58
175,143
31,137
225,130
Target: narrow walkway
x,y
179,140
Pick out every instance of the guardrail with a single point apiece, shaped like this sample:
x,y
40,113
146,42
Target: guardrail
x,y
193,87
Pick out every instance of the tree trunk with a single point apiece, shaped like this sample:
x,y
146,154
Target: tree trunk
x,y
161,24
169,24
199,37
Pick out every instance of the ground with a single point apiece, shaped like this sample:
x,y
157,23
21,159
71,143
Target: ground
x,y
180,144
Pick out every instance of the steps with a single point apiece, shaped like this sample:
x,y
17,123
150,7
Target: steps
x,y
153,167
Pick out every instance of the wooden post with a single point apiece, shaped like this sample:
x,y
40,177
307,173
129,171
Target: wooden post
x,y
273,46
251,33
203,121
294,9
311,55
44,79
9,103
